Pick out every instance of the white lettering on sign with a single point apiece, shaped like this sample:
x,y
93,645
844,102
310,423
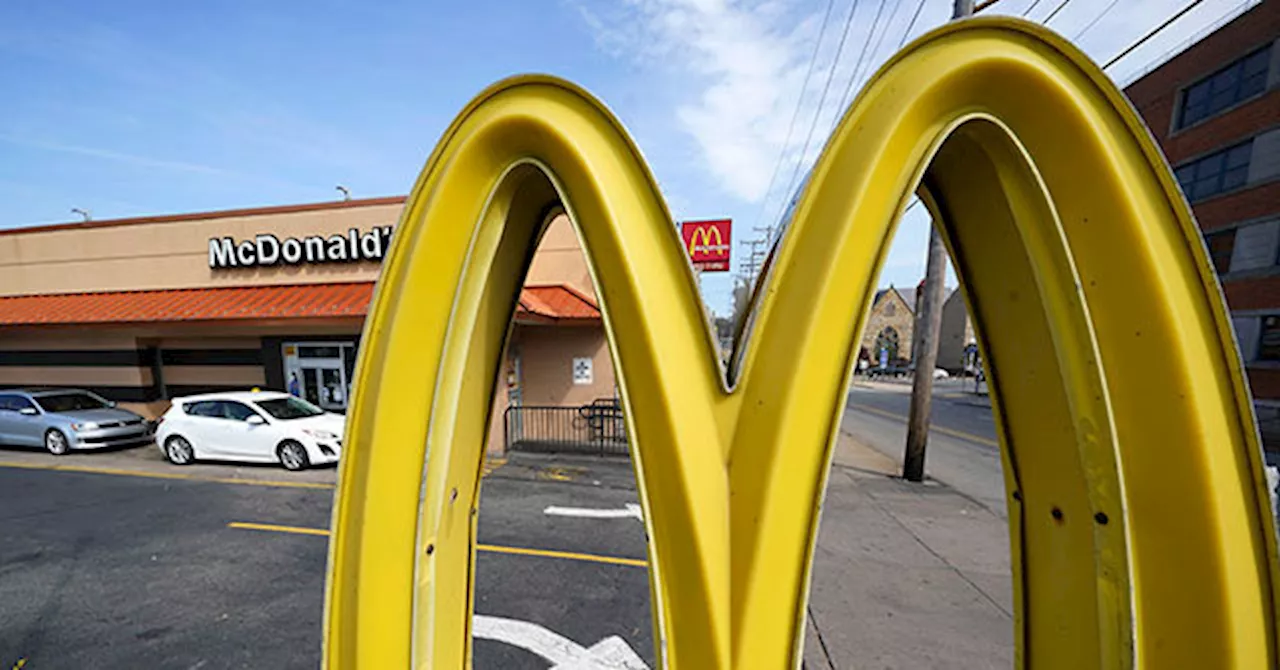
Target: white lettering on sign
x,y
267,249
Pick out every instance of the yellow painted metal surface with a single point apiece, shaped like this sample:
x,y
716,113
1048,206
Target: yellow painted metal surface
x,y
1138,510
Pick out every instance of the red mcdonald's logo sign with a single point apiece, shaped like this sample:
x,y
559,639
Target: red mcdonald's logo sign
x,y
708,243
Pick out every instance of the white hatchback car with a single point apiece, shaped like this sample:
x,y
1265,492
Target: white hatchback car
x,y
251,426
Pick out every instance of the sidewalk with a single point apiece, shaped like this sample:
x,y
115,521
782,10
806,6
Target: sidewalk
x,y
906,576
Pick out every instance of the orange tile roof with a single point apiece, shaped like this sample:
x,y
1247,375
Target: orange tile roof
x,y
309,301
558,302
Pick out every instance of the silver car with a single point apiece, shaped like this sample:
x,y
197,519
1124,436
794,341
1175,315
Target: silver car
x,y
61,420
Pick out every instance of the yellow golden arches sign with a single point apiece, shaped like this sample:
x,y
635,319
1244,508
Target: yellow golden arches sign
x,y
1138,512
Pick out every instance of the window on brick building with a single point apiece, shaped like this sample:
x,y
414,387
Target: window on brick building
x,y
1269,342
1240,80
1218,172
1221,245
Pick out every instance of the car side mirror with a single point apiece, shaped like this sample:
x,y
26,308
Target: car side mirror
x,y
255,420
29,411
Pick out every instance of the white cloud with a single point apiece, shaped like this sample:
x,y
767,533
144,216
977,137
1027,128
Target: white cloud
x,y
740,67
737,66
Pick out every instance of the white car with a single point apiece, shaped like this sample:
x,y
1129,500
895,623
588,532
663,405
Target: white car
x,y
253,427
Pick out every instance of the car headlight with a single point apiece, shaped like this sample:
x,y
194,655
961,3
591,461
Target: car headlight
x,y
84,426
320,434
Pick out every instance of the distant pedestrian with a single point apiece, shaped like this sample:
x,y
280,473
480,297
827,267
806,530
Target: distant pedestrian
x,y
295,389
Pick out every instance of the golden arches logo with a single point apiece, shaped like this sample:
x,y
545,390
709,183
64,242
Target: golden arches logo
x,y
705,233
1119,395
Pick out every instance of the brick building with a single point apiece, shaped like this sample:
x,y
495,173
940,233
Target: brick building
x,y
1215,110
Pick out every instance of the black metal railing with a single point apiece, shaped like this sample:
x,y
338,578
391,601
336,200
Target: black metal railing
x,y
598,428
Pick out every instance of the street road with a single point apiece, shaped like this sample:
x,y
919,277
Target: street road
x,y
956,410
108,570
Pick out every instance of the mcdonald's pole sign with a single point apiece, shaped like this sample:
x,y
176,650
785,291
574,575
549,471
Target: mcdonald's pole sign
x,y
708,243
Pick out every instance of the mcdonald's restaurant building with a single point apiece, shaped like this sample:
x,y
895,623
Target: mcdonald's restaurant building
x,y
147,309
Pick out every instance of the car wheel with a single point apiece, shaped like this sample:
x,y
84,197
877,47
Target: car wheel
x,y
55,441
293,456
178,450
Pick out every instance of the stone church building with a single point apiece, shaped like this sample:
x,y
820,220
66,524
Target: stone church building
x,y
890,326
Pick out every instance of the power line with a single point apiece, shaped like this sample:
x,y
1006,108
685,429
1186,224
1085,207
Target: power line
x,y
848,21
1095,20
847,97
1030,7
911,25
1208,29
884,31
1154,31
796,113
1055,11
863,54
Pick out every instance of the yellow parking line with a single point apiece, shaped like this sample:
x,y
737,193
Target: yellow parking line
x,y
164,475
932,426
569,555
298,530
491,548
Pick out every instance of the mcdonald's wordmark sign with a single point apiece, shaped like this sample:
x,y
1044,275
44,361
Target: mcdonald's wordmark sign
x,y
708,243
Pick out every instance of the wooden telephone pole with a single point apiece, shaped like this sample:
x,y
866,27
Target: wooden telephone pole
x,y
928,323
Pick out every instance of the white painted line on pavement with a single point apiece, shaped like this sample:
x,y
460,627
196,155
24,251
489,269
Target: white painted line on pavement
x,y
611,653
632,510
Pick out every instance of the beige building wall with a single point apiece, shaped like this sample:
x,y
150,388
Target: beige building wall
x,y
956,333
61,342
561,260
546,359
890,311
545,376
173,252
64,339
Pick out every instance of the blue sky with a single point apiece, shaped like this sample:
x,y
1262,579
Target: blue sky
x,y
132,108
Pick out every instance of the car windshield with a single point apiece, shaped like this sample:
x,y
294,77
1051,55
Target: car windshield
x,y
70,402
288,408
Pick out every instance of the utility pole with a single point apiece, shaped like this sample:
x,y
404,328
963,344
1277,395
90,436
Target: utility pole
x,y
928,323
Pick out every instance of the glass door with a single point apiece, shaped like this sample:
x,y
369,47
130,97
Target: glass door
x,y
324,384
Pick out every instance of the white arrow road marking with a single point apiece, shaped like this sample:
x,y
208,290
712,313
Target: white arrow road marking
x,y
611,653
632,510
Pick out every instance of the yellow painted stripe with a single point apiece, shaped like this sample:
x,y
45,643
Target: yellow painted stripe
x,y
297,530
164,475
569,555
492,548
932,426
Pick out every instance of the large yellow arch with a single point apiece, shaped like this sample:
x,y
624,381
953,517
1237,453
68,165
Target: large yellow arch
x,y
1138,512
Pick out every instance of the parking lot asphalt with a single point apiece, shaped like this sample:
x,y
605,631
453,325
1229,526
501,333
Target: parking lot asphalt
x,y
109,561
